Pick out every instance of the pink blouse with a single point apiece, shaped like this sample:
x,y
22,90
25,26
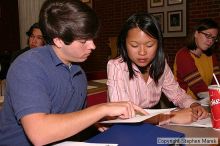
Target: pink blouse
x,y
144,94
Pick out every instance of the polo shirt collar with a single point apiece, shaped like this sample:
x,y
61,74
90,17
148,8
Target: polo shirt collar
x,y
75,68
54,56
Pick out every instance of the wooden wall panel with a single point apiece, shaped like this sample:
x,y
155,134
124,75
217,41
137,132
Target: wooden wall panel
x,y
9,33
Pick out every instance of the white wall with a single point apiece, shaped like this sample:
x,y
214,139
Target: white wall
x,y
28,14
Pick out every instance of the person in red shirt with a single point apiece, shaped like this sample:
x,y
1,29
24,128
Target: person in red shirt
x,y
195,64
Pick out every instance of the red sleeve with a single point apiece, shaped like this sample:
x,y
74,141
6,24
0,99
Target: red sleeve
x,y
187,72
216,69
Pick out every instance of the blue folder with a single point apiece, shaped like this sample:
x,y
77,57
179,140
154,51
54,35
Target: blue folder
x,y
141,134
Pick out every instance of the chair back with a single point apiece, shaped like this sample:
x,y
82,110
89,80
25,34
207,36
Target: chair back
x,y
113,45
2,87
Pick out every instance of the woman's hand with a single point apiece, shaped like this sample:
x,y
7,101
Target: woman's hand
x,y
183,116
201,112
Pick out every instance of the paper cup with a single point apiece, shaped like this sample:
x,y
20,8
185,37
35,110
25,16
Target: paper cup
x,y
214,93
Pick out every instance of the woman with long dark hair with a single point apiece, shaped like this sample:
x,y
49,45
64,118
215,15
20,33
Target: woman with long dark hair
x,y
140,73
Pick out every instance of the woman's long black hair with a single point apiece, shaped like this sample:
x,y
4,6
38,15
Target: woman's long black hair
x,y
148,24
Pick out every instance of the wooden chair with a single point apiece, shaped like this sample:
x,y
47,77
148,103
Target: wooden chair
x,y
95,75
2,87
113,45
97,98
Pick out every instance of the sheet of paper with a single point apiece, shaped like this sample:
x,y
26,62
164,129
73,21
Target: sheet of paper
x,y
203,94
100,81
91,87
140,118
72,143
159,111
200,123
205,101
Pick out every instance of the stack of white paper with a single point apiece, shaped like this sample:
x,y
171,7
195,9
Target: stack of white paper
x,y
205,102
140,118
73,143
200,123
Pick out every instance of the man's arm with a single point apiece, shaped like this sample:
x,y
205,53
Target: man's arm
x,y
44,128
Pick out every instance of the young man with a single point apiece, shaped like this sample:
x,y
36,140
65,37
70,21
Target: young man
x,y
46,88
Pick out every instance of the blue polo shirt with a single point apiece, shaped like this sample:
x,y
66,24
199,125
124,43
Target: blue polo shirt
x,y
38,82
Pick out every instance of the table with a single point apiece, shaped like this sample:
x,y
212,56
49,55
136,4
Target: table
x,y
134,134
96,86
195,132
190,131
97,92
123,135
